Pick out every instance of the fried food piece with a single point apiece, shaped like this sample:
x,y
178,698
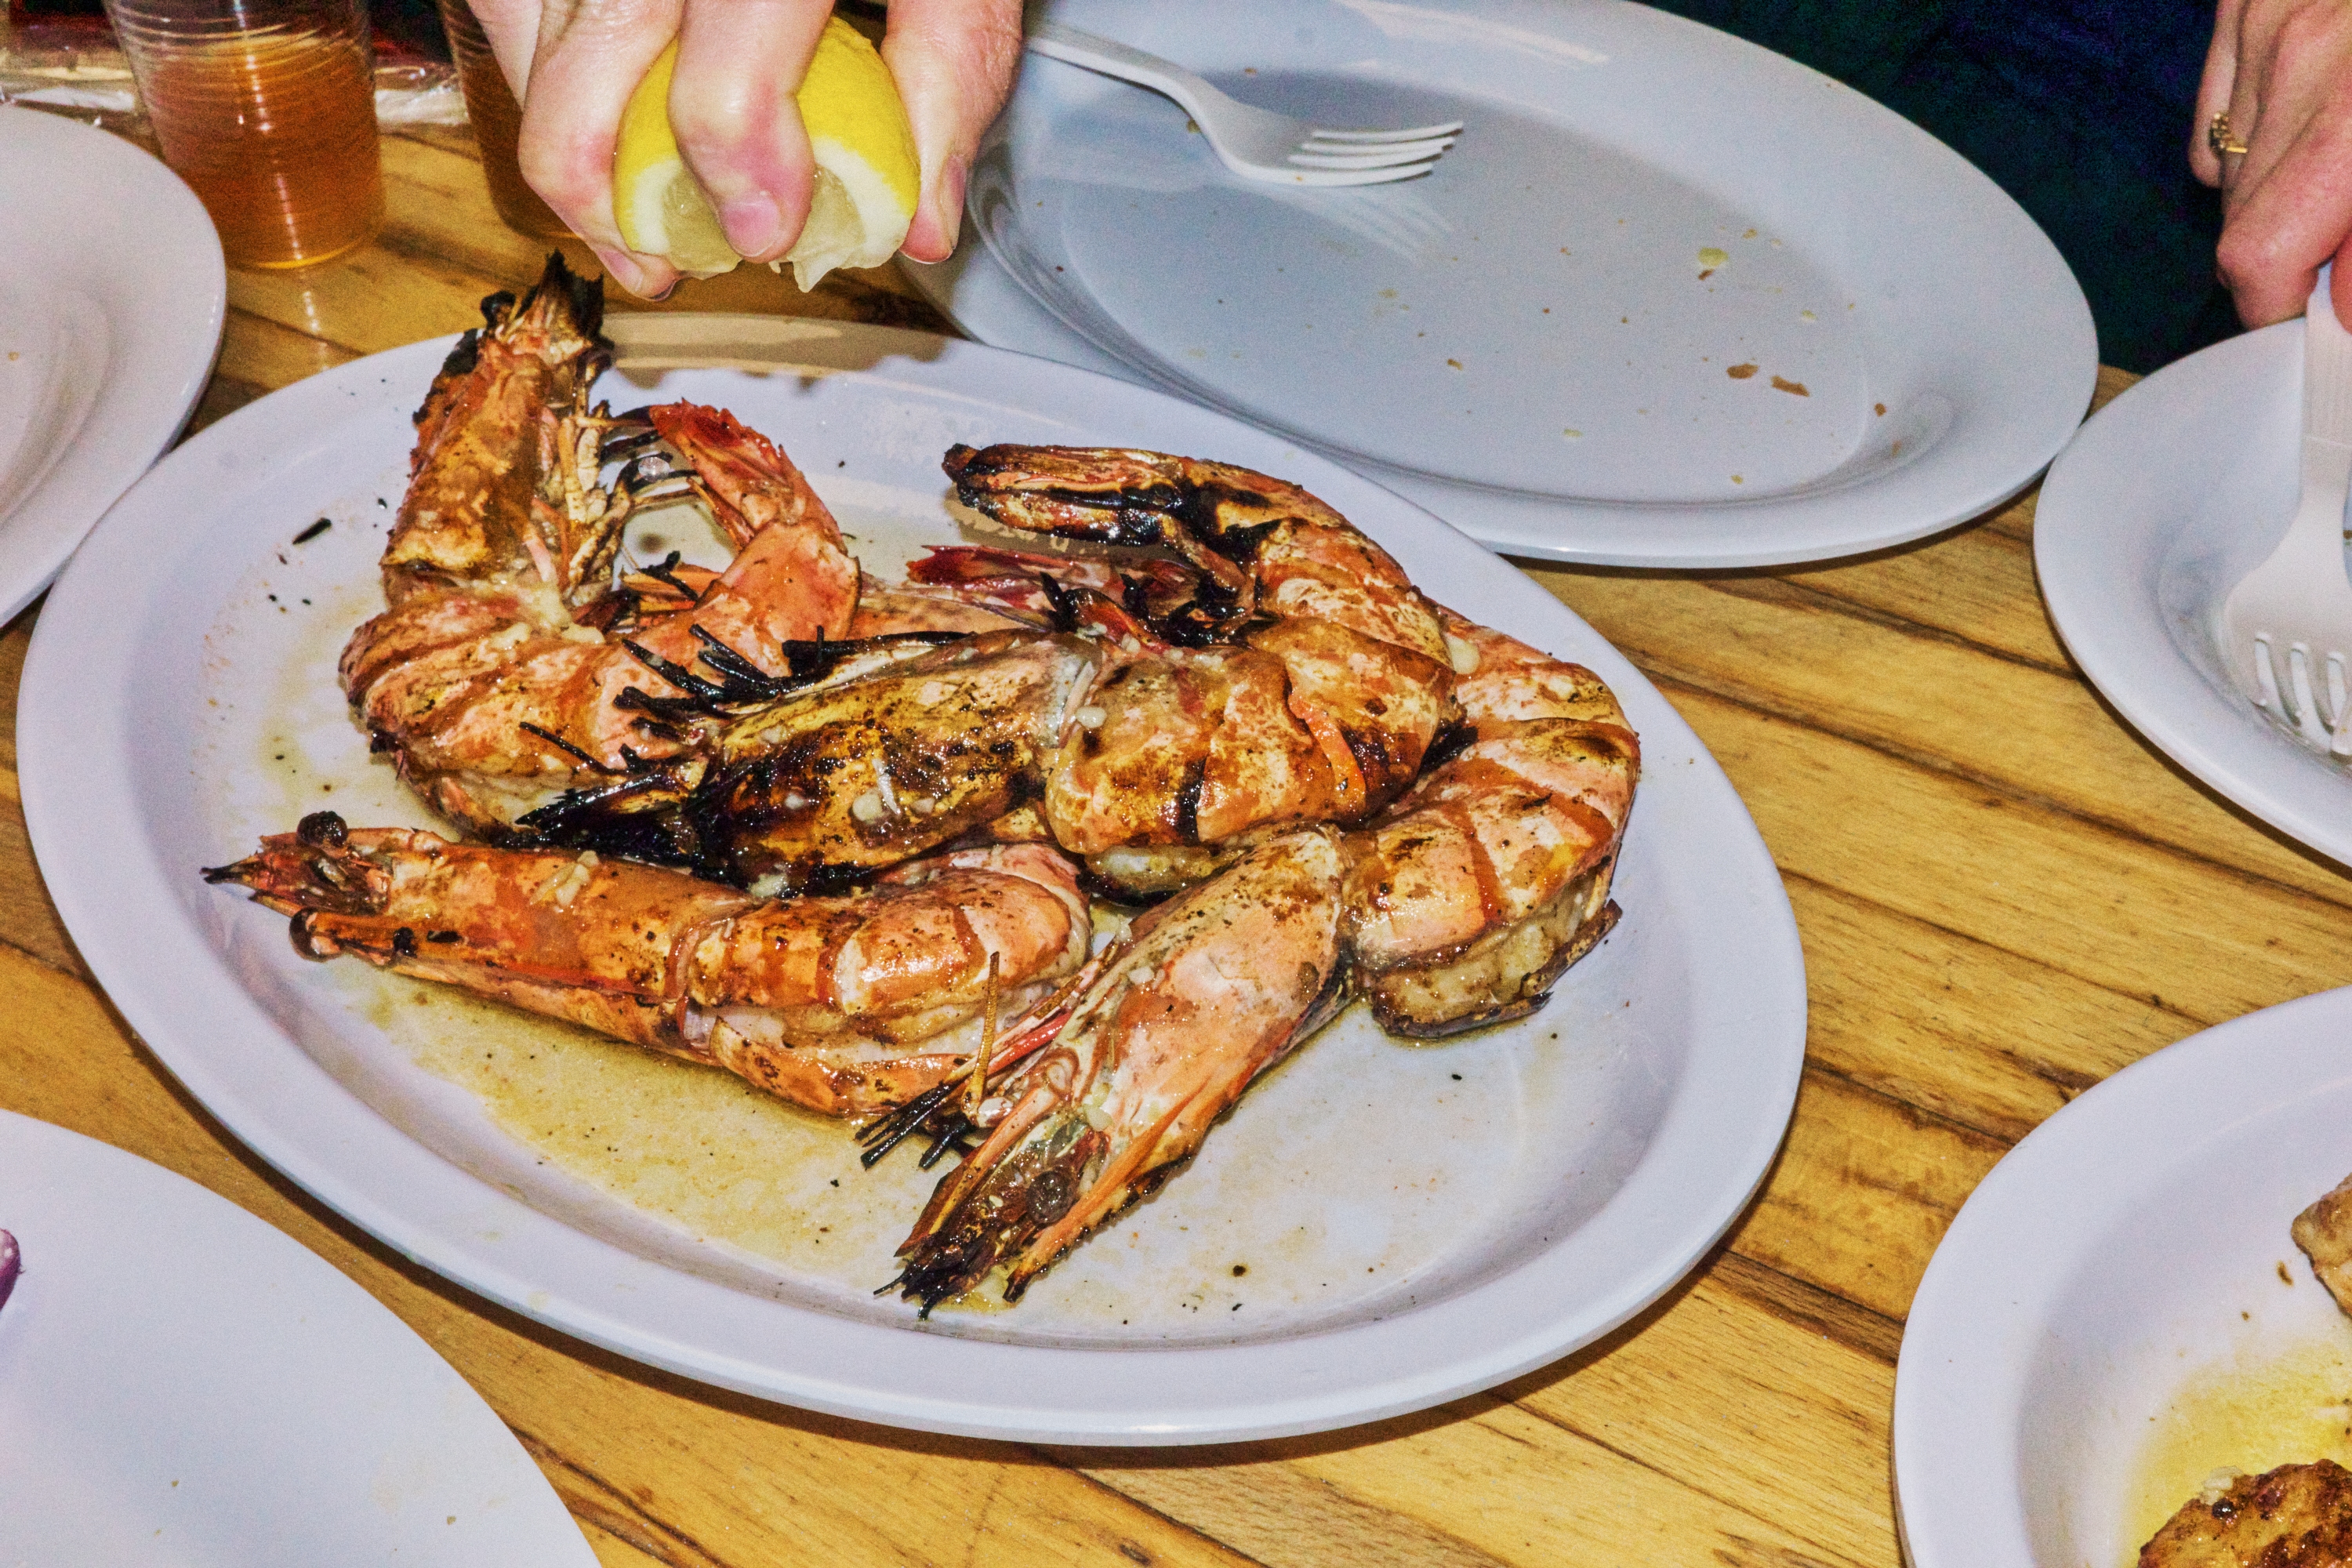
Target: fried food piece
x,y
2297,1516
2324,1231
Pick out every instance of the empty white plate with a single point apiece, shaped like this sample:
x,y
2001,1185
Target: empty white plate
x,y
1671,299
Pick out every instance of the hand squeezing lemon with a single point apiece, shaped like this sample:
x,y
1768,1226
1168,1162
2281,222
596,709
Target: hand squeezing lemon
x,y
866,174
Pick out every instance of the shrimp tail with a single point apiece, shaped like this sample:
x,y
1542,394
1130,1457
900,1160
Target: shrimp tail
x,y
561,309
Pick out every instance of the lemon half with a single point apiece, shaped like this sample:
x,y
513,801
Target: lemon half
x,y
866,174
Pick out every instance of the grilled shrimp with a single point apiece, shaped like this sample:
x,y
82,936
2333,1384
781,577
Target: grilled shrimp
x,y
1207,992
497,676
1284,671
835,1003
1303,680
829,786
1472,892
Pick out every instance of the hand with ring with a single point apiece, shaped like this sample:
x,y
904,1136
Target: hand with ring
x,y
573,64
2274,133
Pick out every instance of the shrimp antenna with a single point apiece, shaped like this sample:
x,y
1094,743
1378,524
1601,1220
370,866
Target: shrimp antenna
x,y
1003,1049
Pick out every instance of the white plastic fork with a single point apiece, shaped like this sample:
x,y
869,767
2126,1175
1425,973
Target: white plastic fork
x,y
1255,142
2291,615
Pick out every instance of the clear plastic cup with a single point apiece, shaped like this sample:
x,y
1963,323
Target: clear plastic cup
x,y
498,122
266,107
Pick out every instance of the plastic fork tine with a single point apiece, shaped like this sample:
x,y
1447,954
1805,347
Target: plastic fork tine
x,y
2291,615
1447,131
1319,142
1427,147
1257,142
2307,707
2341,741
1324,160
1382,176
1387,157
2266,689
1319,156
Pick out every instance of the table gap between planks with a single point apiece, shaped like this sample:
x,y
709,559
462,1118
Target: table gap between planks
x,y
2004,895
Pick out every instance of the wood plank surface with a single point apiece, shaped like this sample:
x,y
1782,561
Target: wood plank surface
x,y
2004,895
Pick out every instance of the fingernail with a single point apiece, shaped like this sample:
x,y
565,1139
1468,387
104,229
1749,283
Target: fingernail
x,y
621,270
753,225
950,199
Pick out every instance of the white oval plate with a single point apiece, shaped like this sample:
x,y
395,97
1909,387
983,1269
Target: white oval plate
x,y
180,1383
112,294
2171,494
2107,1257
1522,341
1415,1223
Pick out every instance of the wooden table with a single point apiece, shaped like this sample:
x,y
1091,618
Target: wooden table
x,y
2005,894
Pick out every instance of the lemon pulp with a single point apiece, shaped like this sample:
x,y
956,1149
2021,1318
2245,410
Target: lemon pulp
x,y
866,174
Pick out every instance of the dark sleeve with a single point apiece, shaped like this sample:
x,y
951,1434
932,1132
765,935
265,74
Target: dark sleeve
x,y
2078,109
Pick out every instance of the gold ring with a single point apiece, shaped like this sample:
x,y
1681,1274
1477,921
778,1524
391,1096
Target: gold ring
x,y
2217,136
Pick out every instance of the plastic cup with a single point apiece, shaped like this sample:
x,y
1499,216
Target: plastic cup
x,y
498,124
266,107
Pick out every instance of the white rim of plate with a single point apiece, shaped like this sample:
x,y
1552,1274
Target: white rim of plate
x,y
231,1054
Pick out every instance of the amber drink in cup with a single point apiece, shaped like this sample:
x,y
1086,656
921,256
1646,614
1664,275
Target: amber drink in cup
x,y
266,107
497,124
